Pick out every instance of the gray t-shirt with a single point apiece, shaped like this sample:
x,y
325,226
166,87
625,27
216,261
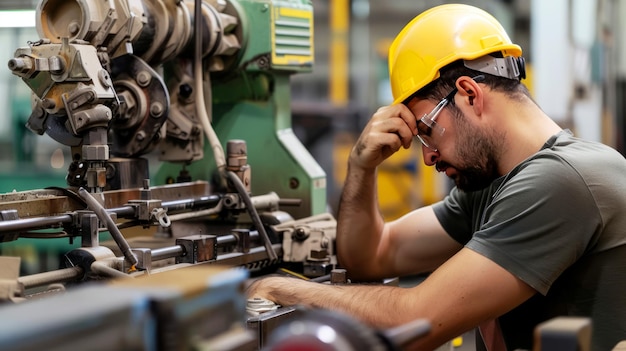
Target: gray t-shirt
x,y
558,222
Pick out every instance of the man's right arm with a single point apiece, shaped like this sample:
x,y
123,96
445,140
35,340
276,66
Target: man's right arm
x,y
368,247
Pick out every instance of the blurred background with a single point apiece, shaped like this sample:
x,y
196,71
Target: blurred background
x,y
576,72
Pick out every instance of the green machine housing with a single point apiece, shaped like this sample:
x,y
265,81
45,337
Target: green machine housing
x,y
252,102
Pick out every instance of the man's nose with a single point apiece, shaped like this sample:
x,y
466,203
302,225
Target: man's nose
x,y
430,156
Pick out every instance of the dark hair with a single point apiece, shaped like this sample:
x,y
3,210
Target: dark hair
x,y
437,89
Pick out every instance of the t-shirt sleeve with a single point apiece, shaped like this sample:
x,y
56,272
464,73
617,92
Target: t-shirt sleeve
x,y
454,213
538,223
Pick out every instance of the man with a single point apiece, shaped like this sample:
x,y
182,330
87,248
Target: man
x,y
534,229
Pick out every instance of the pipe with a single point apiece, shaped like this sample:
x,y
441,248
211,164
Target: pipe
x,y
204,114
46,278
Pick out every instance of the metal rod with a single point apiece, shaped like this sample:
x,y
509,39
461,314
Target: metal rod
x,y
33,223
196,214
177,251
226,239
167,252
238,258
185,204
172,206
123,212
46,278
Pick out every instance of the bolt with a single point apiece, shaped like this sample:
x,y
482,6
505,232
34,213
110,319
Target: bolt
x,y
143,79
140,136
156,109
300,234
104,78
57,64
73,28
48,104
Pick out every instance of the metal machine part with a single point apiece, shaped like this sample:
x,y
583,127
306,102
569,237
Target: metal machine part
x,y
310,241
564,333
329,330
94,79
180,204
154,312
124,78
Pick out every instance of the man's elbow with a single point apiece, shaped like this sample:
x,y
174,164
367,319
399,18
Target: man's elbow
x,y
358,271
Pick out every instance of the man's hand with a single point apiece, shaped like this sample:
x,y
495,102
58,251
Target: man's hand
x,y
390,128
256,289
265,287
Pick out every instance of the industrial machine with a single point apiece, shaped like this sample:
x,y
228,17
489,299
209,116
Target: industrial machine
x,y
128,85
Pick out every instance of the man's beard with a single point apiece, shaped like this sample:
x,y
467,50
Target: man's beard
x,y
477,150
472,178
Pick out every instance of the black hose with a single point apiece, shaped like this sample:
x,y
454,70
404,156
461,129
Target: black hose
x,y
241,189
105,218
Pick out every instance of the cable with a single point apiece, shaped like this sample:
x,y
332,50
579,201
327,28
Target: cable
x,y
204,114
70,194
241,189
105,218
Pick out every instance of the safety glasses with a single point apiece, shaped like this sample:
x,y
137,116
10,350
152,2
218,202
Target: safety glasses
x,y
427,126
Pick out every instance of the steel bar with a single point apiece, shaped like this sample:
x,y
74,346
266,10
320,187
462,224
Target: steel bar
x,y
51,277
166,252
33,223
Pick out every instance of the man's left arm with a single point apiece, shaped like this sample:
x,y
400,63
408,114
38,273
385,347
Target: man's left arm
x,y
464,292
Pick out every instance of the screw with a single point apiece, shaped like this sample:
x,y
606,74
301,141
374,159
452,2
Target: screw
x,y
143,79
73,28
156,109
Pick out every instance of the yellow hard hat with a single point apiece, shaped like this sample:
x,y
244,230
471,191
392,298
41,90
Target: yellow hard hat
x,y
438,37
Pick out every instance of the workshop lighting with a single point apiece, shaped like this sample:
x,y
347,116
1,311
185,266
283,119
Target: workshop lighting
x,y
17,18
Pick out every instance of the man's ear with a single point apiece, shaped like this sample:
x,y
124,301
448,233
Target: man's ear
x,y
471,93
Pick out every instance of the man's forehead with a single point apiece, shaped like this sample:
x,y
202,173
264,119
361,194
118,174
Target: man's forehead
x,y
423,106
